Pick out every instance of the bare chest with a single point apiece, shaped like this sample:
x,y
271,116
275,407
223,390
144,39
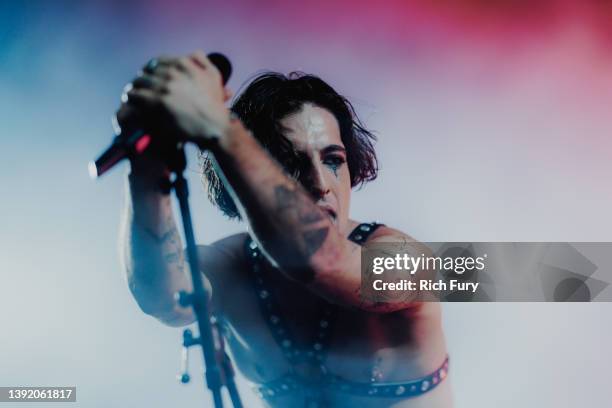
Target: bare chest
x,y
282,327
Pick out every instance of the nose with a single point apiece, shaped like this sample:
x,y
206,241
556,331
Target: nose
x,y
316,183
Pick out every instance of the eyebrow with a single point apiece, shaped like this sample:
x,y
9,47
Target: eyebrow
x,y
333,148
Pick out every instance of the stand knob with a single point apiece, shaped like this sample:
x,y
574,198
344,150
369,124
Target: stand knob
x,y
188,340
183,298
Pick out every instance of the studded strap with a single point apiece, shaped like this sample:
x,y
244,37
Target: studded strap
x,y
362,232
401,389
316,353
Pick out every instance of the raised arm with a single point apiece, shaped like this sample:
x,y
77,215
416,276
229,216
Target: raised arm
x,y
151,248
295,233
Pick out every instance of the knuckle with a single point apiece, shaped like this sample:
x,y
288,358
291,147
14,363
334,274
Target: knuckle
x,y
173,72
199,55
183,63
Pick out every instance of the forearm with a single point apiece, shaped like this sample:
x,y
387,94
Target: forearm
x,y
152,252
294,232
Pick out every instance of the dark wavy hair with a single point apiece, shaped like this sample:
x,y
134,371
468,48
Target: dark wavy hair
x,y
271,97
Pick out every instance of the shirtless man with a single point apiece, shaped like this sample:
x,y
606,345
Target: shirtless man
x,y
287,293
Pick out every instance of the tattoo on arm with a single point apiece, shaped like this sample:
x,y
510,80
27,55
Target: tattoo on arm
x,y
170,243
172,251
314,239
291,200
297,205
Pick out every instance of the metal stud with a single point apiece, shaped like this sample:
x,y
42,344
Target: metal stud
x,y
425,385
358,237
324,323
286,343
318,346
400,390
365,228
264,294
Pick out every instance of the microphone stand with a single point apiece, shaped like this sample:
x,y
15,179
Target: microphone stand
x,y
218,369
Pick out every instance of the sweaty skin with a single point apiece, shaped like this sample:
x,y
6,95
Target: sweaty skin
x,y
302,228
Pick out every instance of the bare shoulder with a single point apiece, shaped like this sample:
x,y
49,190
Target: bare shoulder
x,y
231,246
385,233
222,256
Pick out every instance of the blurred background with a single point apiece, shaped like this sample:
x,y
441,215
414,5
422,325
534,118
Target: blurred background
x,y
494,124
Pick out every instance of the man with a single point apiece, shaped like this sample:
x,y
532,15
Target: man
x,y
288,291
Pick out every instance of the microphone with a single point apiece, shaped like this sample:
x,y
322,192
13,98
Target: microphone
x,y
137,141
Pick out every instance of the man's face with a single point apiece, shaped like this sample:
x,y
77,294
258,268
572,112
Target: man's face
x,y
315,133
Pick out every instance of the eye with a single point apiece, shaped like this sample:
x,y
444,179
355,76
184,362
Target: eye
x,y
334,161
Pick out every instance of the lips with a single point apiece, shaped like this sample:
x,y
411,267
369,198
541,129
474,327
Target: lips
x,y
329,211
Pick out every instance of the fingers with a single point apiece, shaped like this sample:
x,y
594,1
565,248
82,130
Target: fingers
x,y
142,98
155,63
159,65
200,59
126,115
153,82
135,98
136,103
165,66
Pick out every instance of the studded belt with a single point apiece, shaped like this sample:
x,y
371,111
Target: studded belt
x,y
332,383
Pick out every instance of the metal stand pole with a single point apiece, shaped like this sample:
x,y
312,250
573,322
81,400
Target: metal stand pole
x,y
218,372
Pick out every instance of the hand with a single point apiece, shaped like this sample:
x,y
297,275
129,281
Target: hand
x,y
179,97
